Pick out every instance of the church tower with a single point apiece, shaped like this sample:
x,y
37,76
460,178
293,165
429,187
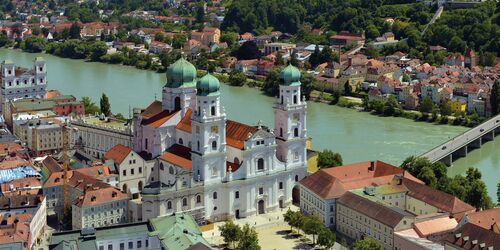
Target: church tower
x,y
208,123
180,91
290,118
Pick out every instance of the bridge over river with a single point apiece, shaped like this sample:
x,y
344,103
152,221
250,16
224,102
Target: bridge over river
x,y
460,145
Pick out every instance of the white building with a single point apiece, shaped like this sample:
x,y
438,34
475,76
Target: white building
x,y
96,135
22,83
42,136
244,170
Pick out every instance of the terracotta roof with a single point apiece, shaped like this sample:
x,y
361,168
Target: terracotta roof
x,y
20,201
435,226
178,155
237,133
99,196
118,153
185,123
153,109
471,237
76,180
436,198
8,148
52,164
374,210
26,185
331,183
159,119
16,229
97,171
485,219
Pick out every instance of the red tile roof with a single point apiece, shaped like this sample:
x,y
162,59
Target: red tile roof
x,y
178,155
485,219
52,164
185,123
16,229
237,133
159,119
97,196
470,237
153,109
118,153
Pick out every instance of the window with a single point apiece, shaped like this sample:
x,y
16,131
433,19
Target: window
x,y
214,145
281,185
331,208
296,132
146,143
198,145
198,199
101,247
124,172
161,167
296,178
294,99
169,205
171,170
130,245
110,247
181,141
260,164
295,156
132,171
139,244
281,132
140,170
236,161
122,246
184,202
237,194
261,191
212,110
214,195
214,171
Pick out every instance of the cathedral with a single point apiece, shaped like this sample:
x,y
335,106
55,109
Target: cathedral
x,y
213,167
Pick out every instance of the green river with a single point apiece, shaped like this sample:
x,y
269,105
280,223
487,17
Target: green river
x,y
356,135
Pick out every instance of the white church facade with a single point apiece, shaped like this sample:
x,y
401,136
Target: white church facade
x,y
211,166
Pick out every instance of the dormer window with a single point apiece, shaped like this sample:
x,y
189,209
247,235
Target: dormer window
x,y
92,199
114,194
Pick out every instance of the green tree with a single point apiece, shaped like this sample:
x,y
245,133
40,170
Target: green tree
x,y
390,106
74,31
307,84
89,105
293,60
477,195
247,51
366,244
248,239
230,232
279,61
178,40
371,51
237,78
347,88
326,238
98,49
406,78
159,37
445,108
427,105
427,175
272,82
327,159
229,37
495,98
312,225
344,243
105,106
315,58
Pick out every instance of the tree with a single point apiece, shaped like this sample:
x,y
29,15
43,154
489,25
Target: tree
x,y
178,40
347,88
366,244
495,98
307,84
89,105
371,51
105,106
74,31
477,195
229,37
390,106
237,78
315,58
445,108
288,218
272,82
279,61
247,51
328,159
248,239
230,232
98,49
326,238
406,78
293,59
312,225
327,55
427,105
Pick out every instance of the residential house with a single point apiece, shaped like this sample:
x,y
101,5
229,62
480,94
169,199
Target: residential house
x,y
344,38
249,67
278,47
207,36
156,47
455,59
264,66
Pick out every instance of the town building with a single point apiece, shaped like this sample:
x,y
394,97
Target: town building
x,y
96,135
132,170
18,83
207,36
278,47
42,136
345,38
244,170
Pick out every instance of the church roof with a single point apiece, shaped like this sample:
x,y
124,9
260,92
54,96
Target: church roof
x,y
185,123
181,74
237,133
159,119
178,155
153,109
291,75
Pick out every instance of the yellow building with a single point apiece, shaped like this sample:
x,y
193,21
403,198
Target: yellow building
x,y
458,106
312,157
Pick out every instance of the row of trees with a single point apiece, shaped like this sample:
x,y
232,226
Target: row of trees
x,y
469,188
240,238
311,225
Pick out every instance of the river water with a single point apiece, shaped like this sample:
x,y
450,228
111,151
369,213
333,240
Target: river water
x,y
356,135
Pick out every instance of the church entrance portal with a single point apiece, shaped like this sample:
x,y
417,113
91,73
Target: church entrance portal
x,y
296,195
261,207
237,214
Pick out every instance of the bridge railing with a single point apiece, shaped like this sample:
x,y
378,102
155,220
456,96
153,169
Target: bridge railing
x,y
472,134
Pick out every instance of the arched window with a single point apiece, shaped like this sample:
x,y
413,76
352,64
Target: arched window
x,y
212,110
281,99
124,188
184,202
198,199
171,170
169,205
177,103
296,132
260,164
296,178
236,160
139,186
198,145
214,145
181,141
281,132
214,195
294,99
161,166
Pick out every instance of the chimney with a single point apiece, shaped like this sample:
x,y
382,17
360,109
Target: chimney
x,y
372,166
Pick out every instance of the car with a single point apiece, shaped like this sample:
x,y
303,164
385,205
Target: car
x,y
481,130
443,148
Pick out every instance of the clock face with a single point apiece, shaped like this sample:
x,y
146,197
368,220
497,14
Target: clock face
x,y
214,130
296,116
